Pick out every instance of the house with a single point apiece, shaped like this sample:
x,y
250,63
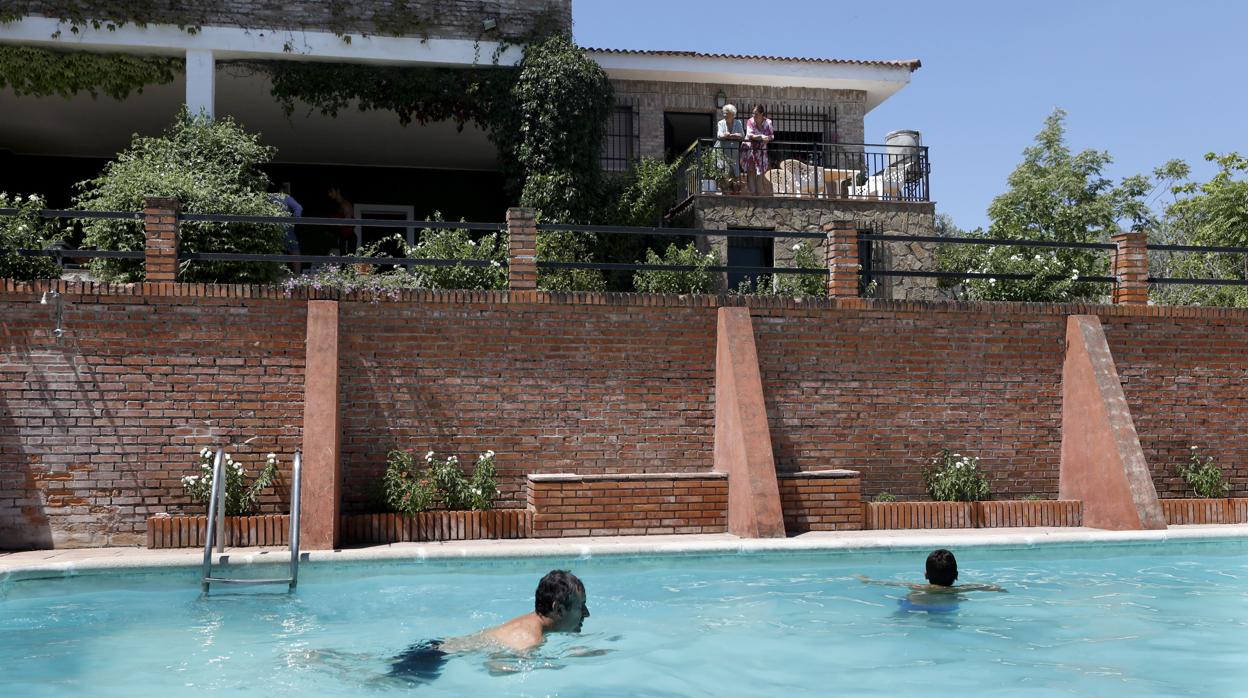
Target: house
x,y
666,102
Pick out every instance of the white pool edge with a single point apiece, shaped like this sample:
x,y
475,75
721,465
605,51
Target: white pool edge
x,y
59,563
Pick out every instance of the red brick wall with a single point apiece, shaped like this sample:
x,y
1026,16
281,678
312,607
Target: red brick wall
x,y
550,388
622,505
97,430
821,501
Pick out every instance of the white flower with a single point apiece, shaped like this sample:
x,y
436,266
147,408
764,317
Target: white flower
x,y
1192,447
228,458
272,456
488,454
1074,276
429,456
797,247
992,282
205,452
452,459
495,263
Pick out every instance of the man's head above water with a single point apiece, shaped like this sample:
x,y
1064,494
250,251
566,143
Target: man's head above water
x,y
560,602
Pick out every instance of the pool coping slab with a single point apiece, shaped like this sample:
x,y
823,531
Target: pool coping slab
x,y
40,563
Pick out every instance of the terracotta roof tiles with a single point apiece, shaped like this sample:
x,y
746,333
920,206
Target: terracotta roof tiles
x,y
912,64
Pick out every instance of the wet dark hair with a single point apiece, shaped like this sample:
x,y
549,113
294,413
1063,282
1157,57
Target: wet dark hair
x,y
557,588
760,109
942,568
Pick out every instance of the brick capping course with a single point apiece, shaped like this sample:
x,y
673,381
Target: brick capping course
x,y
623,477
258,292
1233,510
986,514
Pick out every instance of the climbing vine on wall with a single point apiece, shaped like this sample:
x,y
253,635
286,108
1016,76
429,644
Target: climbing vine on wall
x,y
40,72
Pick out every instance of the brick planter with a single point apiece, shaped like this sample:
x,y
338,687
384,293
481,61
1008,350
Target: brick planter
x,y
436,526
991,514
821,500
1205,511
628,504
250,531
240,531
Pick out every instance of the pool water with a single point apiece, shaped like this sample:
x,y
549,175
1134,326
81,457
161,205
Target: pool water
x,y
1165,619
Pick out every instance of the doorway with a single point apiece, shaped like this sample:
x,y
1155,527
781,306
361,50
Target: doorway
x,y
681,129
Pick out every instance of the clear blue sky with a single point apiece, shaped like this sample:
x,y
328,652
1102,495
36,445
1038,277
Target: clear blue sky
x,y
1148,81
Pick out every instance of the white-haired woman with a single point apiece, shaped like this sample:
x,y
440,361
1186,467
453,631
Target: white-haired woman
x,y
728,136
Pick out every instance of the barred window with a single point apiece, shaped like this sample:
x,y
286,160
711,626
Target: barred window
x,y
622,141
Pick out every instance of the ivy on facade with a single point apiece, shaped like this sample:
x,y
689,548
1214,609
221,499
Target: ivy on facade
x,y
39,72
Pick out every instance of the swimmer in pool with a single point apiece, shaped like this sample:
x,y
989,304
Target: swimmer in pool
x,y
559,607
939,593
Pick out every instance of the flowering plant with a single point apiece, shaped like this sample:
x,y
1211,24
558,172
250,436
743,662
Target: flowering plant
x,y
1203,475
409,489
953,477
240,497
26,231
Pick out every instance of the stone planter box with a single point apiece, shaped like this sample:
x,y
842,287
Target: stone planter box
x,y
251,531
1205,511
436,526
991,514
240,531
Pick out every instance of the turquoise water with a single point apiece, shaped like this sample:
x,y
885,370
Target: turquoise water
x,y
1140,620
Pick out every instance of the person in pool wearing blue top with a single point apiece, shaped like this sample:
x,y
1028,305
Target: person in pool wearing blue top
x,y
939,594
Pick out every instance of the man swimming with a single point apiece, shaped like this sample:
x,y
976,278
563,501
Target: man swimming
x,y
559,607
939,593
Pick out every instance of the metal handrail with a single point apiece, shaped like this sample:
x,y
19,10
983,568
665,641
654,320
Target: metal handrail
x,y
216,527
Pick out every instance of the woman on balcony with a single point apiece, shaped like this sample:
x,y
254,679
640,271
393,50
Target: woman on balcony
x,y
728,136
758,133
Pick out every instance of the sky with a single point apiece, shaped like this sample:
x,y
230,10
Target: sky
x,y
1147,81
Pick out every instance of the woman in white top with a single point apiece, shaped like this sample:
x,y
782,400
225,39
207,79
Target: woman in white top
x,y
728,136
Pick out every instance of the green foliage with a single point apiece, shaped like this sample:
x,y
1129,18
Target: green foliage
x,y
240,497
952,477
210,167
790,285
410,489
348,279
407,490
645,194
26,231
885,497
1054,195
39,72
459,244
696,280
1203,475
566,246
1214,214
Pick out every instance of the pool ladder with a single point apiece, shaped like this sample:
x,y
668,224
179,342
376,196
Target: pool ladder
x,y
216,528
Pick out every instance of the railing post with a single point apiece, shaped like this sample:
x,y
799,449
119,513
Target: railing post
x,y
160,227
1131,268
521,249
841,252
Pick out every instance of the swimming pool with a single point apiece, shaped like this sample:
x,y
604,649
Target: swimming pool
x,y
1156,619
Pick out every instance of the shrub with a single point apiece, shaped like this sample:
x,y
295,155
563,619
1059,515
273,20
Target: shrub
x,y
457,243
953,477
209,166
790,285
26,231
240,497
885,497
647,192
696,280
1203,475
410,489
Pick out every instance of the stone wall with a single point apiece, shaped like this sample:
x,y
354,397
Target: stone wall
x,y
456,19
652,98
817,215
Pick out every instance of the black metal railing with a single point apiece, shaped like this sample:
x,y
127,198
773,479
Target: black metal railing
x,y
860,171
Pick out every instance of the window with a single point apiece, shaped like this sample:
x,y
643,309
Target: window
x,y
622,139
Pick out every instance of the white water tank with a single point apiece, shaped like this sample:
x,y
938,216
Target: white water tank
x,y
902,143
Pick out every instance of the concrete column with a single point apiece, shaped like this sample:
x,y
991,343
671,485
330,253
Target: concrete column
x,y
841,251
201,82
322,469
521,249
1131,268
160,228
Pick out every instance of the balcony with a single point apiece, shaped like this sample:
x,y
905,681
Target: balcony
x,y
827,171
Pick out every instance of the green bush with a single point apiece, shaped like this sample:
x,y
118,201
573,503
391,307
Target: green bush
x,y
240,497
26,231
1204,476
209,167
790,285
648,190
885,497
953,477
458,243
698,280
566,246
410,489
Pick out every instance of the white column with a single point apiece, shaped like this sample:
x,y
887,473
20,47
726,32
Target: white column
x,y
201,86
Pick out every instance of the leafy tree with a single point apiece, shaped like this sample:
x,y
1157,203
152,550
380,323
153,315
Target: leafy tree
x,y
26,231
1213,214
210,166
696,280
1054,195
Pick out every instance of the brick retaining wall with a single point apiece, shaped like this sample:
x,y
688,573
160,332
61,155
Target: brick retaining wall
x,y
621,505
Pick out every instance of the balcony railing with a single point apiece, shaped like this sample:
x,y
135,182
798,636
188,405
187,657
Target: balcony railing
x,y
858,171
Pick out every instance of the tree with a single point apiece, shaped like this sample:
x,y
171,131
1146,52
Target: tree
x,y
210,167
1053,195
1213,214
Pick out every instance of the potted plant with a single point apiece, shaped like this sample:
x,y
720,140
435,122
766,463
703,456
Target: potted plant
x,y
1212,503
712,171
243,526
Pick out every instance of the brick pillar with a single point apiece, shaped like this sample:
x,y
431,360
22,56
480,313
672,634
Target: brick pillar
x,y
842,257
1131,268
160,226
521,249
322,431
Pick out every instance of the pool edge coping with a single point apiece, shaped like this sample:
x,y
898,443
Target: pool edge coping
x,y
15,565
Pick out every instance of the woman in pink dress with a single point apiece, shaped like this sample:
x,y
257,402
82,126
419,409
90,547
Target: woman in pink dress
x,y
754,149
